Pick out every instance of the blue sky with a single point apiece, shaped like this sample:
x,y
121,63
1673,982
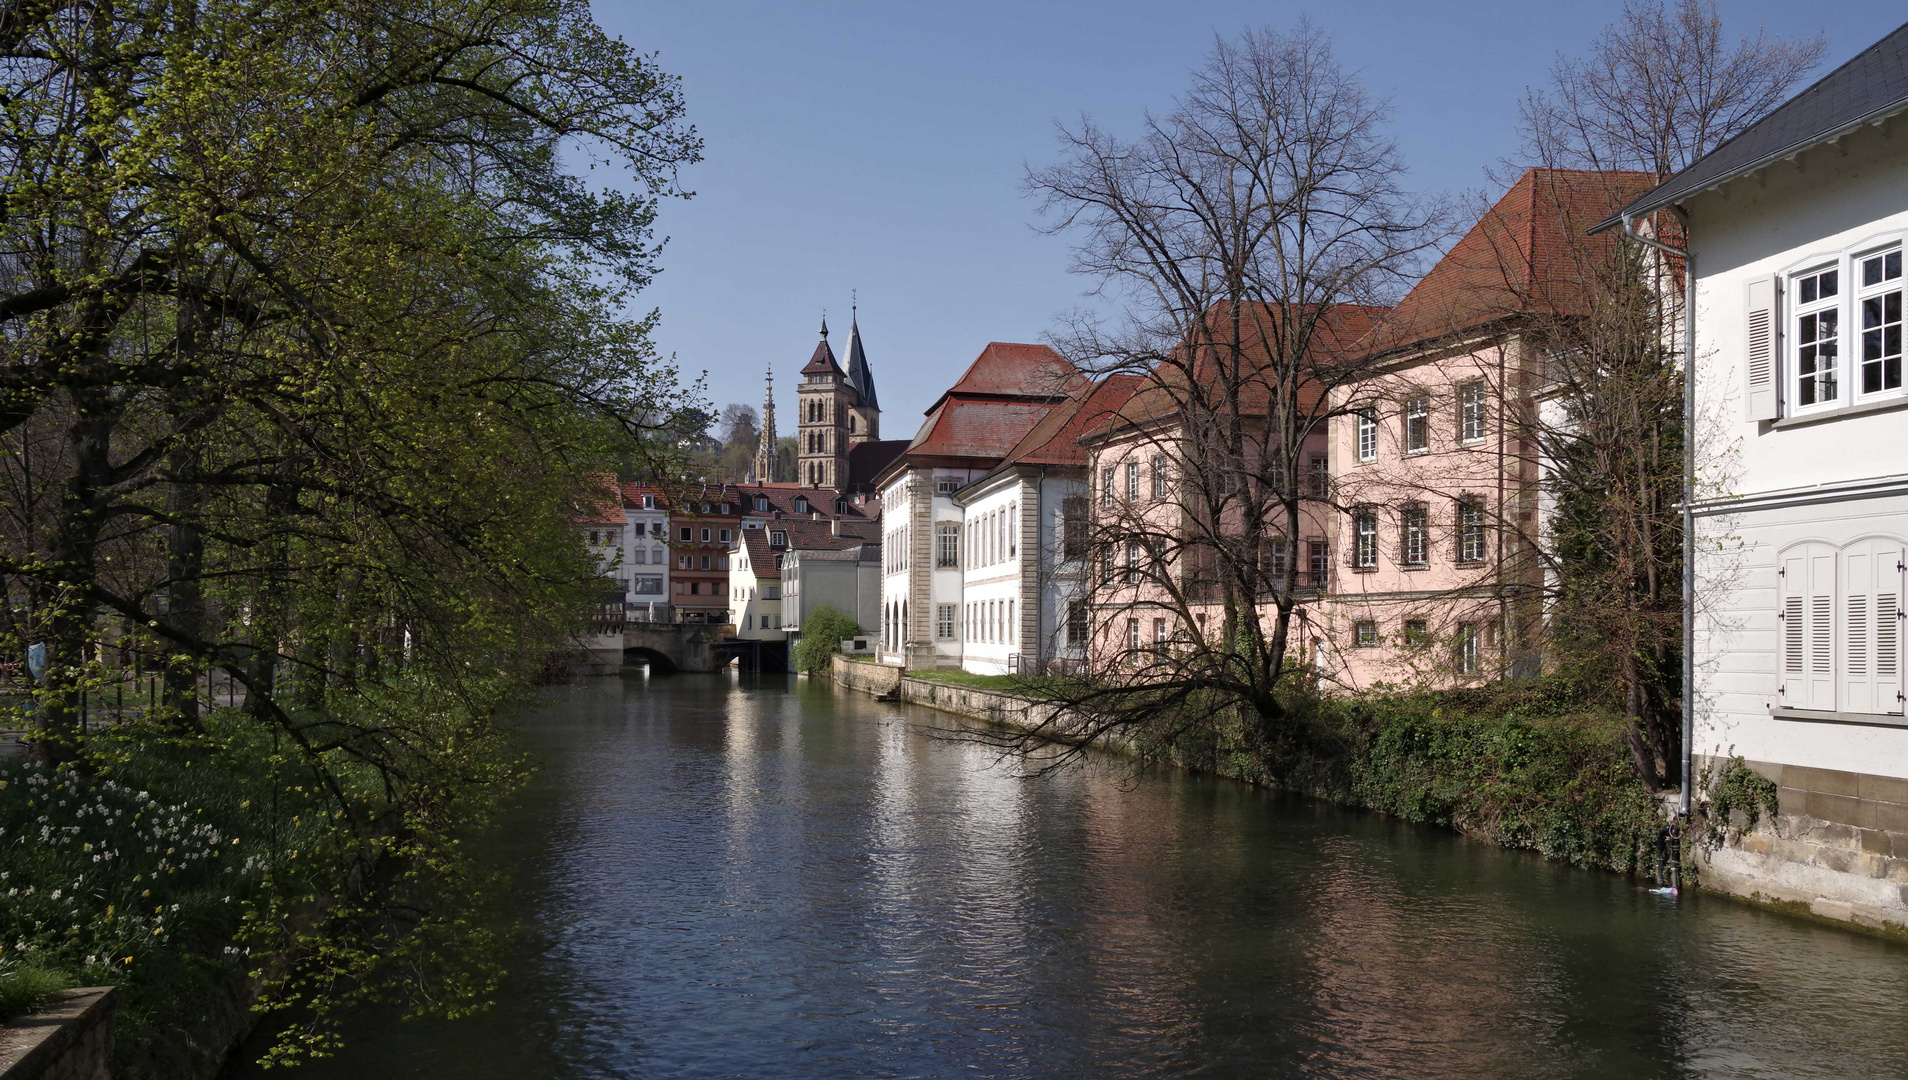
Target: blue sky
x,y
879,148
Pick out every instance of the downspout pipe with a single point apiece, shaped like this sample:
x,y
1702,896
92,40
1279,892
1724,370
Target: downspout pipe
x,y
1689,487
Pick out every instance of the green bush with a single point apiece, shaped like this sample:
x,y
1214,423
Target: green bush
x,y
823,631
1515,764
26,987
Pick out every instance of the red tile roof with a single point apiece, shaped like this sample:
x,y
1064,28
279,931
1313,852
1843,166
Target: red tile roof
x,y
781,500
603,506
1163,392
1523,256
1006,369
1055,440
976,429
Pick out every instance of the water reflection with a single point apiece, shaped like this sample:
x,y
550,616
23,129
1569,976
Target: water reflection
x,y
730,878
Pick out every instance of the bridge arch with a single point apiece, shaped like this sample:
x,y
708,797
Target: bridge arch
x,y
659,663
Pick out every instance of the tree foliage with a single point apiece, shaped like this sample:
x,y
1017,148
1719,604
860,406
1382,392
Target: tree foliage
x,y
309,351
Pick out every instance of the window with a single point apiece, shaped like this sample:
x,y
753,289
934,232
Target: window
x,y
656,528
1013,534
637,556
1159,477
649,502
1470,532
1073,527
761,504
1365,635
725,536
1367,435
944,622
1817,337
705,562
778,538
1320,565
1365,540
1471,412
748,622
1159,632
684,562
725,508
695,588
593,540
1880,305
1416,538
1106,486
778,561
688,534
705,536
1132,634
1132,562
947,487
1132,481
1468,659
1272,560
1840,613
1417,425
680,588
1417,632
801,505
1076,622
947,549
1319,477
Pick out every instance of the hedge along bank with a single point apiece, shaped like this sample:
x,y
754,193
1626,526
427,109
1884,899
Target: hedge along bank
x,y
1514,765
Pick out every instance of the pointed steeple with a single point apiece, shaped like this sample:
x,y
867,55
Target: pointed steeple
x,y
765,449
859,374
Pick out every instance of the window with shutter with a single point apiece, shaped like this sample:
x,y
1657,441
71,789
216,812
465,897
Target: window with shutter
x,y
1759,358
1808,627
1871,627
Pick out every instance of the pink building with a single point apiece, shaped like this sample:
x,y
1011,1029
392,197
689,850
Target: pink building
x,y
1438,473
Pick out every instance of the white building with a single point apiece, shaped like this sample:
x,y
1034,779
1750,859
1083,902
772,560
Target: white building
x,y
1795,229
844,578
1023,543
645,550
1005,392
755,584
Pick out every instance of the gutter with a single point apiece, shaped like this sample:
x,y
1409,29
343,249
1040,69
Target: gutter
x,y
1689,486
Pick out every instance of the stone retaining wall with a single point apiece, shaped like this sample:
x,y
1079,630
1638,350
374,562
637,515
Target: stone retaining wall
x,y
71,1039
1838,845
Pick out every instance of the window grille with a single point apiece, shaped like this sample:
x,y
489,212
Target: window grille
x,y
1365,635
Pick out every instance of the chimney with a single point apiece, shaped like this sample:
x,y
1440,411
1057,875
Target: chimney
x,y
816,515
834,527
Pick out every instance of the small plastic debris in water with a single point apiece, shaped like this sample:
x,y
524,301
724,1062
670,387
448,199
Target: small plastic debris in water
x,y
1667,890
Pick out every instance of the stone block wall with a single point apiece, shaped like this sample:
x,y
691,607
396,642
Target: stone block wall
x,y
72,1039
1838,845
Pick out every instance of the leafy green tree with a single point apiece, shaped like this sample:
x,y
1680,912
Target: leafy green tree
x,y
823,631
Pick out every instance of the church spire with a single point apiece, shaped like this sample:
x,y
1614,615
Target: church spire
x,y
765,450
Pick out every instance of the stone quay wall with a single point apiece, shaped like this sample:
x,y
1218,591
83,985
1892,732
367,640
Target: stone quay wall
x,y
71,1039
1838,847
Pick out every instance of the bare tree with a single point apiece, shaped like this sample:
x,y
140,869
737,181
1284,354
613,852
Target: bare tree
x,y
1248,237
1656,91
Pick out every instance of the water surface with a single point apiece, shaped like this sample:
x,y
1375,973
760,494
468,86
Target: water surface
x,y
724,877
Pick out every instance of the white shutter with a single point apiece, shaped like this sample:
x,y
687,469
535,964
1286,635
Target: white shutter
x,y
1872,633
1760,352
1808,628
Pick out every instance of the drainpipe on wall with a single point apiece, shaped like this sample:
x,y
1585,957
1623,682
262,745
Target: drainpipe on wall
x,y
1689,485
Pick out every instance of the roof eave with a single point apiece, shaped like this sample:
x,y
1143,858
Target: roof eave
x,y
1651,201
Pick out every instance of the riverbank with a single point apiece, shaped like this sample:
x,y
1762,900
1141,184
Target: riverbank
x,y
1508,767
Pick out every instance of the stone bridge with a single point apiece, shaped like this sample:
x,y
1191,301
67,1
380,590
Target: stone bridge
x,y
670,647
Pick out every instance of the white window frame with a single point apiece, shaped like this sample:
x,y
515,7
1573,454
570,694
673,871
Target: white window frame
x,y
1473,413
1859,332
1798,310
1472,547
1417,423
1365,539
944,622
1414,530
1367,434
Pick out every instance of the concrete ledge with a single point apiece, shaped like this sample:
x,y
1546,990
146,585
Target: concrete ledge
x,y
71,1039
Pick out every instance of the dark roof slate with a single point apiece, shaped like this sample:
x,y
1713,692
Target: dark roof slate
x,y
860,376
1867,89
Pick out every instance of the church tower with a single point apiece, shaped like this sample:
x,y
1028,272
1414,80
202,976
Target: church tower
x,y
827,400
864,417
765,450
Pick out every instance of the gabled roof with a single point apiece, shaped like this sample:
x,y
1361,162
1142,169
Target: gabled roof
x,y
1520,258
802,536
1006,369
1163,391
1055,440
602,504
983,430
1868,89
859,374
782,500
823,360
867,459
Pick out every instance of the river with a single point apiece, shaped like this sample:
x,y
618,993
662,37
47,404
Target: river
x,y
722,876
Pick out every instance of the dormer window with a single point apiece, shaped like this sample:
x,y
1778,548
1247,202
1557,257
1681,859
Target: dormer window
x,y
778,539
761,504
725,508
649,502
801,505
